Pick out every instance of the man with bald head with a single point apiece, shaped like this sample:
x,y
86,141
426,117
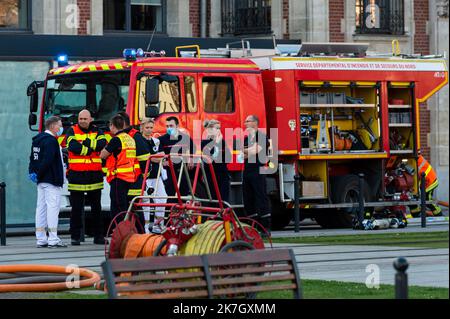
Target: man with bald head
x,y
84,143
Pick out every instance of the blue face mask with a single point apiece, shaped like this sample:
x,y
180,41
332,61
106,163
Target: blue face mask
x,y
60,131
171,131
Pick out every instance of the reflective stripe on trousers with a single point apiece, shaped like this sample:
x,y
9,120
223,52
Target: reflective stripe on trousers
x,y
85,187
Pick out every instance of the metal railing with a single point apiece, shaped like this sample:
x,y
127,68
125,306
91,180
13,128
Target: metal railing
x,y
383,17
246,17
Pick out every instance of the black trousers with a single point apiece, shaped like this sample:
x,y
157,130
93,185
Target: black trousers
x,y
223,181
77,202
119,196
137,186
169,184
256,201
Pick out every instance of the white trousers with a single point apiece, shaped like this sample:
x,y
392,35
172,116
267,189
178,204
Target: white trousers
x,y
158,186
47,212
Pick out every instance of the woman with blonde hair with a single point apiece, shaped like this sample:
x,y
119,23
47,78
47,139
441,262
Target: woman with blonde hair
x,y
155,186
216,148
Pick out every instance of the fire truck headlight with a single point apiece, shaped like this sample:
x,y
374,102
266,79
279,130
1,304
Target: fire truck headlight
x,y
129,54
62,60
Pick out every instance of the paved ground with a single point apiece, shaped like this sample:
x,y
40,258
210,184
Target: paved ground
x,y
428,267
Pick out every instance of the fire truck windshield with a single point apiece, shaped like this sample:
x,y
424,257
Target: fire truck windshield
x,y
102,93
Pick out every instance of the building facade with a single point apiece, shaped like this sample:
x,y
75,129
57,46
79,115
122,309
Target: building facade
x,y
420,26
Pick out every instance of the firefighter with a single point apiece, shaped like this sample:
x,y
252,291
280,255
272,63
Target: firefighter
x,y
256,201
176,142
46,169
215,147
122,165
431,183
155,186
142,154
85,176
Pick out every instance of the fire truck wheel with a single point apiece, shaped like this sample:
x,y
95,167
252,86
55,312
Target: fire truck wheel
x,y
345,189
281,216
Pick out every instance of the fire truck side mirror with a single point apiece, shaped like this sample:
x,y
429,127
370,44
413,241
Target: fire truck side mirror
x,y
32,92
151,111
152,91
32,119
34,102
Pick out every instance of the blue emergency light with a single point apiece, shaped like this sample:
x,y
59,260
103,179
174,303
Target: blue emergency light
x,y
63,60
129,54
132,54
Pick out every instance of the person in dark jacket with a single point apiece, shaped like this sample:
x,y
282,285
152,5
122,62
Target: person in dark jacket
x,y
215,147
177,142
46,169
256,201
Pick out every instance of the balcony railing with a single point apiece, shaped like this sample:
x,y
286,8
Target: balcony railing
x,y
241,17
380,17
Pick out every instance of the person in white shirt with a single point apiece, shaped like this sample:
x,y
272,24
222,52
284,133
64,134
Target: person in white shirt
x,y
46,169
155,186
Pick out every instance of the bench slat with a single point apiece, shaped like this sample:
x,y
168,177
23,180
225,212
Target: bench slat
x,y
246,270
170,275
249,280
257,256
163,286
155,263
171,295
243,290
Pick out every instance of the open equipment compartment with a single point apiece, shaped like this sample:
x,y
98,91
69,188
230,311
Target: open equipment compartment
x,y
340,117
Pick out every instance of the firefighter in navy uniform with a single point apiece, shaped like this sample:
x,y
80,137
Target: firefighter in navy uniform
x,y
84,143
256,201
142,155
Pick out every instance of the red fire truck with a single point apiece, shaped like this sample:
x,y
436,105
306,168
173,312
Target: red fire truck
x,y
338,113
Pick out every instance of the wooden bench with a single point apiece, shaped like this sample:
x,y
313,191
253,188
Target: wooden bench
x,y
223,275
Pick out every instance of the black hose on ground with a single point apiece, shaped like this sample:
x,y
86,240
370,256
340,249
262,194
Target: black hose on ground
x,y
33,280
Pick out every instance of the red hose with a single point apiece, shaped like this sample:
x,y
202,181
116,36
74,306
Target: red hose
x,y
91,278
445,204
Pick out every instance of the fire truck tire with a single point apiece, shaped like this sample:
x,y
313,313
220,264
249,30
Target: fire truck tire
x,y
281,216
345,189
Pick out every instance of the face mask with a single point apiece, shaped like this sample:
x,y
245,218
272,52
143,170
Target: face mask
x,y
60,131
171,131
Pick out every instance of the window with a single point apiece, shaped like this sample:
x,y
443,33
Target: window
x,y
190,94
380,17
169,97
218,95
133,15
14,14
246,17
103,94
